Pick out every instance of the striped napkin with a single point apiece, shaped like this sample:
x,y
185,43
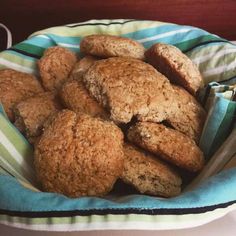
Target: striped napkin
x,y
215,58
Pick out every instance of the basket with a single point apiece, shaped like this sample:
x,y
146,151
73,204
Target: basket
x,y
23,205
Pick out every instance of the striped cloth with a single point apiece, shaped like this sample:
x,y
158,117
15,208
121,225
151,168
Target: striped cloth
x,y
23,205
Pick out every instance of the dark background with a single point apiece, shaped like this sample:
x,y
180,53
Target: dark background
x,y
23,17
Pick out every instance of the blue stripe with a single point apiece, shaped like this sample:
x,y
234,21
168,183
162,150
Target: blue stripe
x,y
143,33
177,38
40,42
204,195
213,123
140,34
64,39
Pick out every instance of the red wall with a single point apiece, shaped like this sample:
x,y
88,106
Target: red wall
x,y
26,16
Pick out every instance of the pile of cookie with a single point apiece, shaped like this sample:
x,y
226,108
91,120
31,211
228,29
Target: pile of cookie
x,y
120,112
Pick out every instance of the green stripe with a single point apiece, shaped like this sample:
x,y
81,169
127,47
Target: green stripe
x,y
33,49
3,172
19,59
186,45
9,158
13,163
16,138
220,77
206,49
135,218
218,61
224,128
111,29
12,171
95,218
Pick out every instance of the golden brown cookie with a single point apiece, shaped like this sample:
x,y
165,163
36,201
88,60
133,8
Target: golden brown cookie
x,y
175,65
82,66
189,116
79,155
16,86
55,66
169,144
105,46
33,112
75,97
129,87
148,174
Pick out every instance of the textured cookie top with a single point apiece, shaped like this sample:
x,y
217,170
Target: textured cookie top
x,y
111,46
189,116
78,155
129,87
75,96
32,113
175,65
169,144
16,86
55,66
81,67
149,174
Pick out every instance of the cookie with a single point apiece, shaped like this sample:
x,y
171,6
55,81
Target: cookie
x,y
171,145
129,87
175,65
76,98
82,66
16,86
189,116
148,174
55,66
105,46
78,155
33,112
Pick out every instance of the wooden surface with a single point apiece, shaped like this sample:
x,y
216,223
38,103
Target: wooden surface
x,y
26,16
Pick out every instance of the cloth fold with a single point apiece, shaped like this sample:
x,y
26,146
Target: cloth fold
x,y
218,139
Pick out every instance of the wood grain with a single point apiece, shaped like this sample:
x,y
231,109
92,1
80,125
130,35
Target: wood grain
x,y
26,16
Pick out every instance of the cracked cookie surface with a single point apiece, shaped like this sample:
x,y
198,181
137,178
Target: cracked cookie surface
x,y
189,116
176,66
55,66
129,87
33,112
16,86
148,174
169,144
76,98
105,46
79,155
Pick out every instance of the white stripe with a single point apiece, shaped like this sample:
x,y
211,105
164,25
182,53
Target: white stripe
x,y
61,44
12,170
15,154
220,69
42,36
15,66
218,54
155,223
164,35
69,45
